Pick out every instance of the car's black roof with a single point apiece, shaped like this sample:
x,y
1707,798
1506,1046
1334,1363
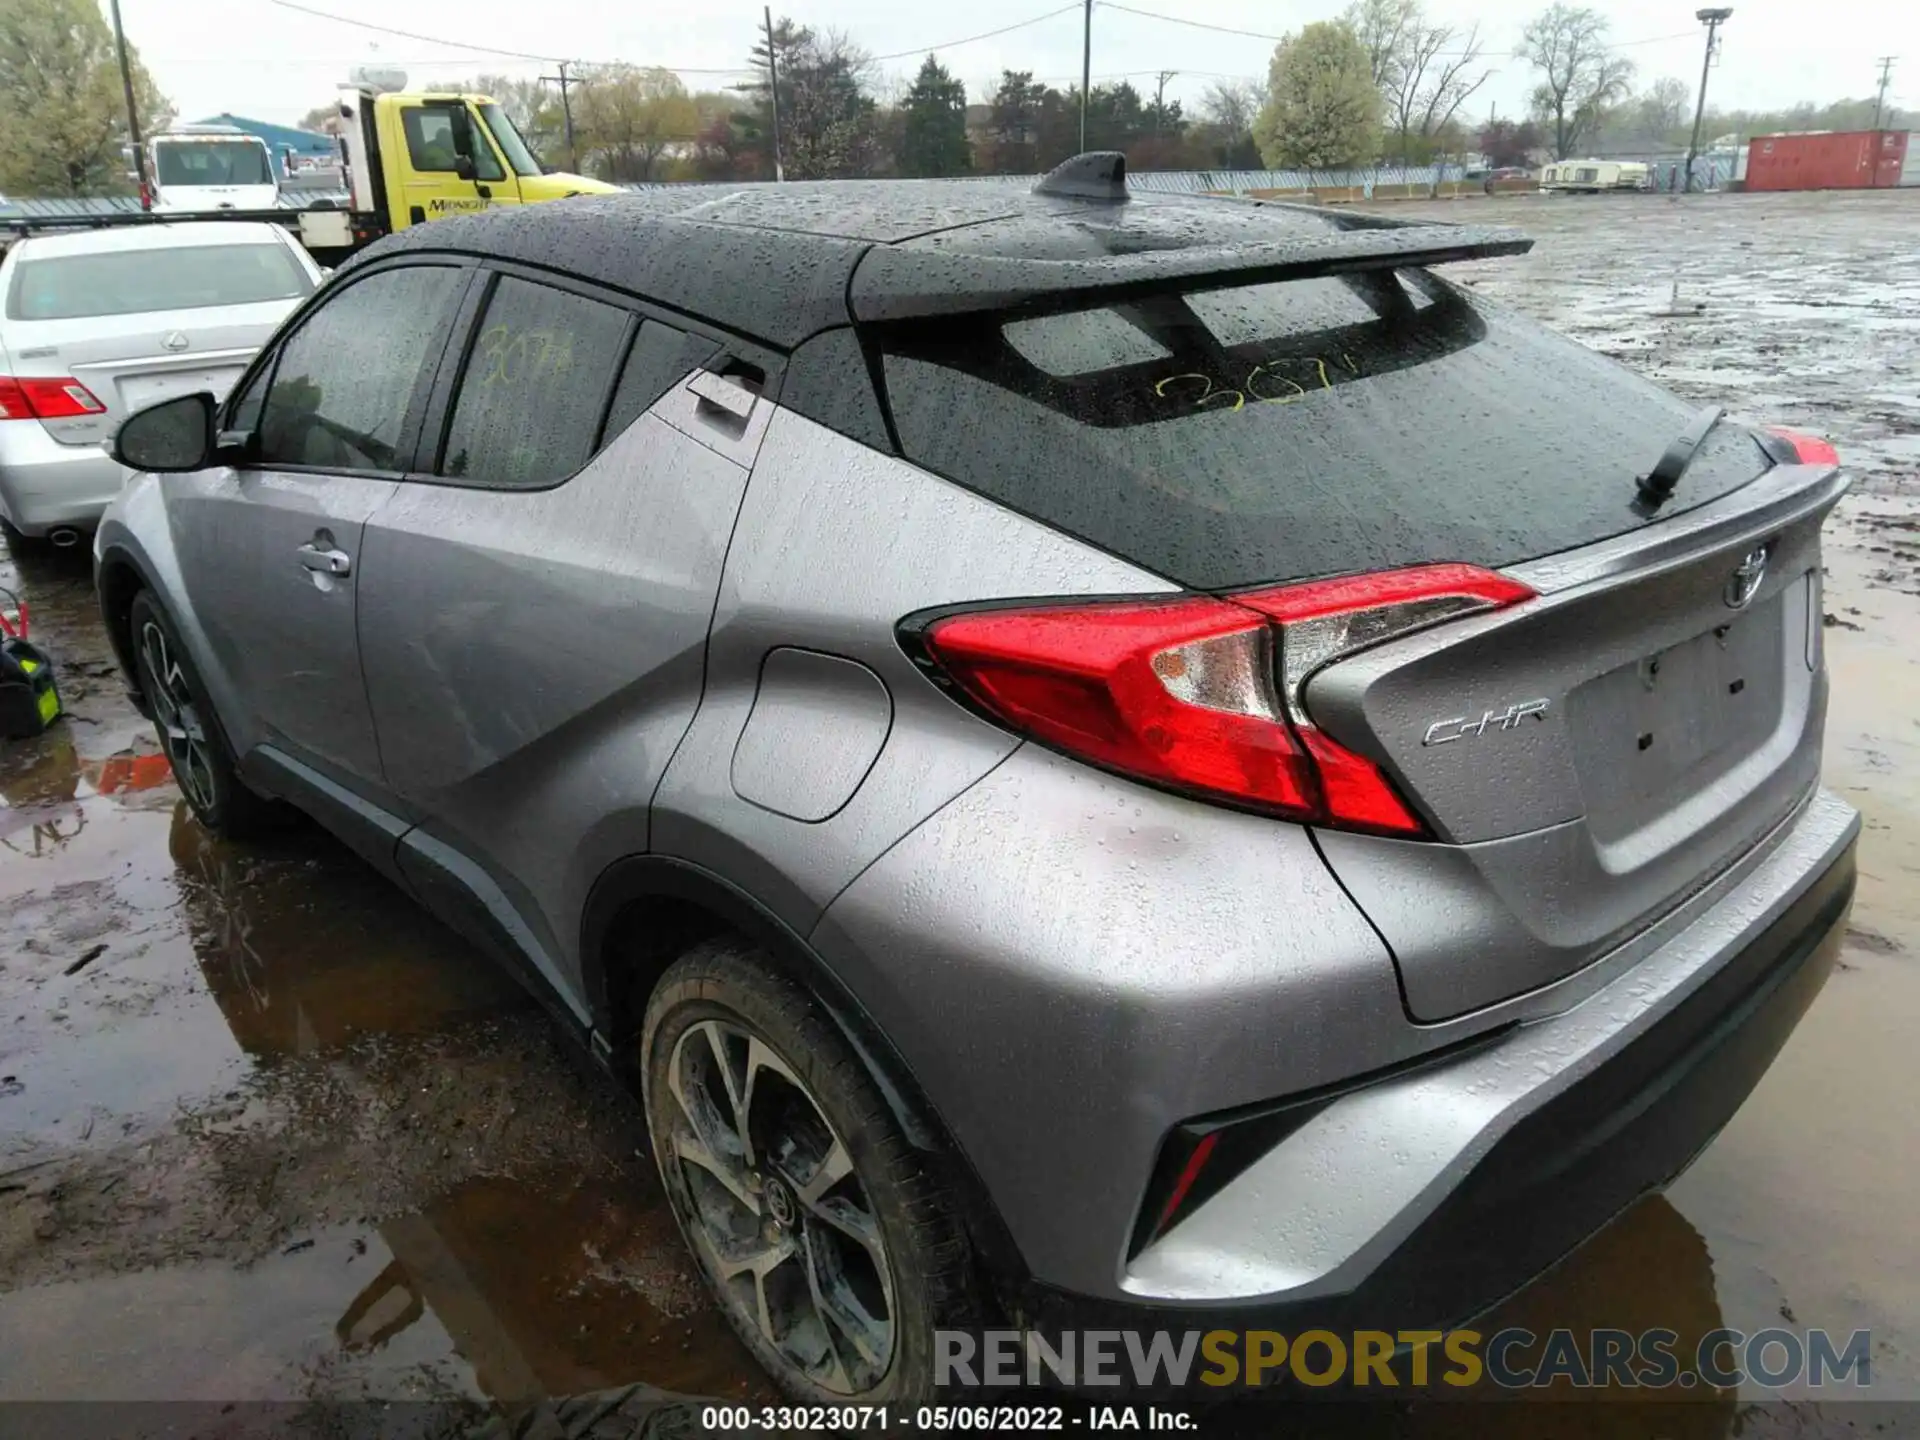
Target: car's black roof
x,y
782,262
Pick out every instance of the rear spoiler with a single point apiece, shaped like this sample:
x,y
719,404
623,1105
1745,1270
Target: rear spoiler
x,y
904,282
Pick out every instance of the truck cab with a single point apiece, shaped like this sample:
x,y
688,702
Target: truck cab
x,y
415,157
202,168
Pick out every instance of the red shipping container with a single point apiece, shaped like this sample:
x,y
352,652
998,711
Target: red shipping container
x,y
1840,160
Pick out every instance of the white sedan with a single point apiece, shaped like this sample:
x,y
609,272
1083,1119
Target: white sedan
x,y
100,323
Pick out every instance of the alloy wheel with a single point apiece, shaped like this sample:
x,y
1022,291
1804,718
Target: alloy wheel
x,y
183,732
774,1207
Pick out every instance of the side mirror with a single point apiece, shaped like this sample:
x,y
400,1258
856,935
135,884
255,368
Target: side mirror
x,y
463,166
172,436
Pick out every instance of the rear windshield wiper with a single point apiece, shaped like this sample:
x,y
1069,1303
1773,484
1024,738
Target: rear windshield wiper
x,y
1657,484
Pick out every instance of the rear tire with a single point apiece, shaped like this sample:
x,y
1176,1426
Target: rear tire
x,y
831,1249
189,732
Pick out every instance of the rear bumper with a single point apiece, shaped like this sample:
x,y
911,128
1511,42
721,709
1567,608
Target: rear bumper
x,y
1456,1185
45,485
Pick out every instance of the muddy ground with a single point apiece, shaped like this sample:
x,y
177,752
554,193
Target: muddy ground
x,y
267,1132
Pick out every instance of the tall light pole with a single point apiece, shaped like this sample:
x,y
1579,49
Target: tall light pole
x,y
773,91
1086,73
1713,20
133,110
1886,74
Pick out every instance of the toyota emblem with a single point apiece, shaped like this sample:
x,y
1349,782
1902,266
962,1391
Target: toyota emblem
x,y
1744,583
174,340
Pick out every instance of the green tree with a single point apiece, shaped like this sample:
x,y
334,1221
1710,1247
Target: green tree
x,y
933,140
63,115
827,111
1580,78
1016,114
627,122
1322,110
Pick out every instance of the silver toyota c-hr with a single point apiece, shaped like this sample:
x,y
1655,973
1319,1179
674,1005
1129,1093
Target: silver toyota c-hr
x,y
1138,758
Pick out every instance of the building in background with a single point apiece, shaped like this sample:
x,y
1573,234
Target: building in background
x,y
309,149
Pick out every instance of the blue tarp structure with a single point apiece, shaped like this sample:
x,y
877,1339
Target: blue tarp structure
x,y
279,138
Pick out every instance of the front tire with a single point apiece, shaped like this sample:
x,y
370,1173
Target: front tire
x,y
831,1249
190,737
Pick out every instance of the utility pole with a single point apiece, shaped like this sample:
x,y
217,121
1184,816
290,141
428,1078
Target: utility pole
x,y
564,80
133,111
1713,20
1886,74
773,91
1160,98
1086,74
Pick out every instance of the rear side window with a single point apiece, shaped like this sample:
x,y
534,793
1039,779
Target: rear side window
x,y
527,413
1254,434
661,358
345,380
133,282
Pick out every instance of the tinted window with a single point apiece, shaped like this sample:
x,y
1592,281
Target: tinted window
x,y
430,146
660,359
529,405
130,282
1274,432
346,377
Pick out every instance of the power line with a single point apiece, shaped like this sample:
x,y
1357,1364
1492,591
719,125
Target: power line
x,y
983,35
414,34
1265,35
1182,20
681,69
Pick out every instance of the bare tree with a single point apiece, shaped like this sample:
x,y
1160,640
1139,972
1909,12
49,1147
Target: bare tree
x,y
1663,106
1232,107
1382,26
1437,69
1580,78
631,120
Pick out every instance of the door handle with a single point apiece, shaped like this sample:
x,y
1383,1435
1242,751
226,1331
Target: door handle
x,y
328,562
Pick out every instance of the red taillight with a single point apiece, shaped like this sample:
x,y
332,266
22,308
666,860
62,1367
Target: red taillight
x,y
1807,449
1204,695
46,398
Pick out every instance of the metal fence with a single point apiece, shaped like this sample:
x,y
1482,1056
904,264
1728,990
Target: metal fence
x,y
108,206
1194,182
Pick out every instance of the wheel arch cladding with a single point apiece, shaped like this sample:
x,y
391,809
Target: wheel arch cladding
x,y
120,579
646,911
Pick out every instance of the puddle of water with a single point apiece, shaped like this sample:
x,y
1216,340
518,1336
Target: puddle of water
x,y
501,1290
204,955
1798,1195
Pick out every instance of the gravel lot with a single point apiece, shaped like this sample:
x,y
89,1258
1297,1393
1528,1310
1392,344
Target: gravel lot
x,y
267,1132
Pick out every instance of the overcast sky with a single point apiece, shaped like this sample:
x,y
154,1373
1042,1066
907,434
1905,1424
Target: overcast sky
x,y
265,60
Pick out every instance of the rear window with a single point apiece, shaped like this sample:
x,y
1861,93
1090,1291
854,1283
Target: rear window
x,y
1274,432
212,162
130,282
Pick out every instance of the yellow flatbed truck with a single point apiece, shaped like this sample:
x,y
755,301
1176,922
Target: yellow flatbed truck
x,y
407,158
